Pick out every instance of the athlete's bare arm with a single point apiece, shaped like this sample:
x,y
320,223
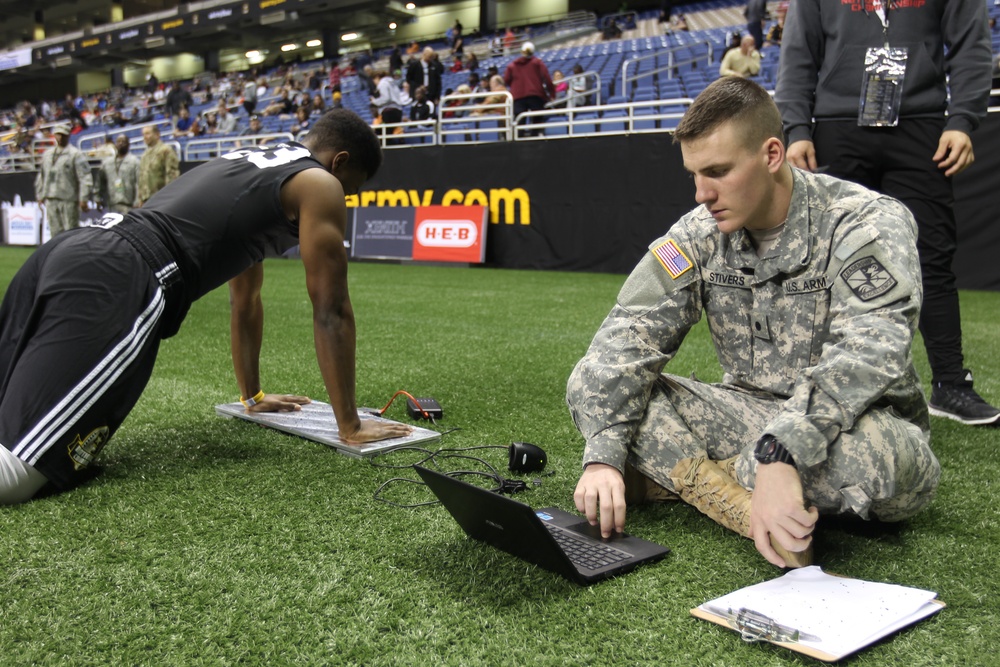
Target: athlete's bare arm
x,y
316,199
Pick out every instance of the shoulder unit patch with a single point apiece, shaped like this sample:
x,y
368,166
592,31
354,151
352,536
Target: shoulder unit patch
x,y
868,279
672,258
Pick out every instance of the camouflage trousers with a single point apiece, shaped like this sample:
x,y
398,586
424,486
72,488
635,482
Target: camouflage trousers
x,y
63,215
882,467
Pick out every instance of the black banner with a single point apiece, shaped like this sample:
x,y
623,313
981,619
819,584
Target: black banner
x,y
589,204
596,203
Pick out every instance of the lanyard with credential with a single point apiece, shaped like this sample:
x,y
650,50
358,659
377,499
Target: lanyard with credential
x,y
883,77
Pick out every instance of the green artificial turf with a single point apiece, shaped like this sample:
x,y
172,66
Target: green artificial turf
x,y
209,541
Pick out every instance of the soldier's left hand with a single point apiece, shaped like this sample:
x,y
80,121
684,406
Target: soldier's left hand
x,y
778,510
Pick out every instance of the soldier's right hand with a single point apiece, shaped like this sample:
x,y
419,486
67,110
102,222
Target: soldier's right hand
x,y
601,493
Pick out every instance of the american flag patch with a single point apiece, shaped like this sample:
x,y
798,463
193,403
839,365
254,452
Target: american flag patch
x,y
672,258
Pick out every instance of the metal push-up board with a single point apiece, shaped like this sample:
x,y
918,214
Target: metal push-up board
x,y
316,422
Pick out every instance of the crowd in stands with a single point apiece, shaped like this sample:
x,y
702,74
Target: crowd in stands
x,y
405,83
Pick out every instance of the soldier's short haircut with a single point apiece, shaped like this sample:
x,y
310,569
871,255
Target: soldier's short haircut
x,y
732,99
344,130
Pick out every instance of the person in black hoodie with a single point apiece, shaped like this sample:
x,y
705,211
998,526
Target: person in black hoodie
x,y
909,149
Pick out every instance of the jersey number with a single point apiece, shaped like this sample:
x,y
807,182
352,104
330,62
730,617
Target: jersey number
x,y
275,157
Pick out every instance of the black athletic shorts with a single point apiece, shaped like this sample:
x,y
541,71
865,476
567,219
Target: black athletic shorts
x,y
80,327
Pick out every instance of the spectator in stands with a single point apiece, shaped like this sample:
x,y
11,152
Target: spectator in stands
x,y
69,110
529,83
456,65
78,126
496,45
253,129
283,106
578,88
205,123
107,149
612,31
494,103
457,40
178,98
744,61
250,95
413,49
388,98
426,72
773,37
117,187
335,74
159,164
337,100
476,84
302,121
318,105
225,121
116,119
367,79
735,37
562,89
508,41
396,58
422,108
140,115
666,9
186,125
680,23
453,104
755,10
471,62
63,183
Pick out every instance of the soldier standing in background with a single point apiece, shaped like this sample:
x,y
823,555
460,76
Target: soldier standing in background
x,y
118,179
63,183
159,164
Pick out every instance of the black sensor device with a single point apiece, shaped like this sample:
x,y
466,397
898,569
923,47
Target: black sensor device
x,y
429,406
526,457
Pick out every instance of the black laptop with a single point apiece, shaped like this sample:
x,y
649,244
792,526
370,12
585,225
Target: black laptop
x,y
549,537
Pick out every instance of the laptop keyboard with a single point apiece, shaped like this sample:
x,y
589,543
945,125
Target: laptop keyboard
x,y
586,553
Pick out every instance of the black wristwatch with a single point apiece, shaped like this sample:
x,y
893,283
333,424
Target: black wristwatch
x,y
769,450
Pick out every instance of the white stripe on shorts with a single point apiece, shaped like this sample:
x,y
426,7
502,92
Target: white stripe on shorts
x,y
53,426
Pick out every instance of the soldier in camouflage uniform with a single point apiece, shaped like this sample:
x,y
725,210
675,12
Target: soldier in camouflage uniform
x,y
118,179
811,287
63,183
159,164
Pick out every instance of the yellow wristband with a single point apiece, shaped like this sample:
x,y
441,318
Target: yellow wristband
x,y
250,402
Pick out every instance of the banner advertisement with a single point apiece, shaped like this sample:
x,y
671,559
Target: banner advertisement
x,y
422,233
21,224
450,234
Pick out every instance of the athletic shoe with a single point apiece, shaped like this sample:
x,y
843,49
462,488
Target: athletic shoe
x,y
960,402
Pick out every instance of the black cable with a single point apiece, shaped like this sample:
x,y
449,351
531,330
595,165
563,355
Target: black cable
x,y
503,485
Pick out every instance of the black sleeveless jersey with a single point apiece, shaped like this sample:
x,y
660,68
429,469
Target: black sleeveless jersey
x,y
224,216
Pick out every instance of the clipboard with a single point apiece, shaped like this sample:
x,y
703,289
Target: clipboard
x,y
847,624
